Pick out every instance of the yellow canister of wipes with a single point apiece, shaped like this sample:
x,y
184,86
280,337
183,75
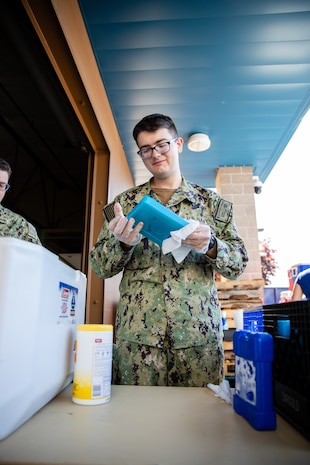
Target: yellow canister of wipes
x,y
93,364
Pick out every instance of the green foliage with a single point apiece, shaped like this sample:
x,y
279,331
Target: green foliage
x,y
268,261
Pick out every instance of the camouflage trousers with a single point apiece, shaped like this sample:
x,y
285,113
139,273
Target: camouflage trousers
x,y
138,364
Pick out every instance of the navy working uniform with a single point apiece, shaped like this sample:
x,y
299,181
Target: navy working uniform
x,y
14,225
169,314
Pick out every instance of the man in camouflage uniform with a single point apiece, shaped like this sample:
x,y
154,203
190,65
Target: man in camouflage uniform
x,y
12,224
168,322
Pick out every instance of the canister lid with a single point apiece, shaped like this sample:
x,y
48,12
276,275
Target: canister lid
x,y
94,327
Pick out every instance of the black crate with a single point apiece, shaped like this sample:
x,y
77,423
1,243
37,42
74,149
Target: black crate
x,y
291,366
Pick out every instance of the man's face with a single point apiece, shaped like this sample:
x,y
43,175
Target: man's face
x,y
161,165
4,177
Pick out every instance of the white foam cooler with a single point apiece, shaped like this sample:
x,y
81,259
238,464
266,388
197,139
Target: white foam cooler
x,y
41,302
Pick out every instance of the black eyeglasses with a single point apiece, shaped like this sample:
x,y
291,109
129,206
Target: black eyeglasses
x,y
161,148
4,186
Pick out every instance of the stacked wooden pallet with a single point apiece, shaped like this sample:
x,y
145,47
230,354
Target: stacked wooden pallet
x,y
234,296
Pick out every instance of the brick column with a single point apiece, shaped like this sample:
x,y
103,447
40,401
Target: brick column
x,y
235,183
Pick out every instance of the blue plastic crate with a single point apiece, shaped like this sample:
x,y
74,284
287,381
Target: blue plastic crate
x,y
253,319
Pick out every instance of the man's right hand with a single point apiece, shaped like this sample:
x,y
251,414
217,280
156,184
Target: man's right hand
x,y
122,228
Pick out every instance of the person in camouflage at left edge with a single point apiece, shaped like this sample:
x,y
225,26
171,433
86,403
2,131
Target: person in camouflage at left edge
x,y
12,224
168,323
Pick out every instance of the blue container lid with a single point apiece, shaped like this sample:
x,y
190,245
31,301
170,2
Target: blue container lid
x,y
256,346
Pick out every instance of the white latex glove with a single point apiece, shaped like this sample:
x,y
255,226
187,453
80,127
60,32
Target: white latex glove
x,y
122,228
199,239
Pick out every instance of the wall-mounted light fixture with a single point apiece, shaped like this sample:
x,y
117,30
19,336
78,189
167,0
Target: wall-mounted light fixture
x,y
198,142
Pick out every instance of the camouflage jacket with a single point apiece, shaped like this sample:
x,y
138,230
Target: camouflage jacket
x,y
14,225
160,298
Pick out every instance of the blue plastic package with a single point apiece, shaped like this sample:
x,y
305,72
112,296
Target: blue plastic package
x,y
158,220
253,398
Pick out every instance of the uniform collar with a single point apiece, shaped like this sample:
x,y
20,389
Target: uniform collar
x,y
185,191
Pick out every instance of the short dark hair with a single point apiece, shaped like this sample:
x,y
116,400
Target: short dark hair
x,y
153,122
4,166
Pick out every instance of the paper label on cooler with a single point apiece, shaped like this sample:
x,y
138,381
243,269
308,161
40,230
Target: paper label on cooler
x,y
245,379
68,303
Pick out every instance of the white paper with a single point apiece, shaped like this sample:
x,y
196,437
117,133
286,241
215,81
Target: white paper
x,y
174,245
223,390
